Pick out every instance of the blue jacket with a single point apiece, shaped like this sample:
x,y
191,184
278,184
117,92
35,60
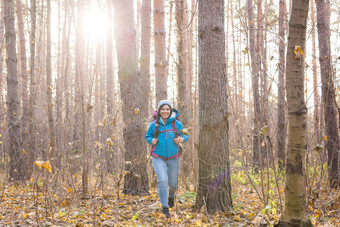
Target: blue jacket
x,y
166,147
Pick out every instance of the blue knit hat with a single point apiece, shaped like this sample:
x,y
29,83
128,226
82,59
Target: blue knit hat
x,y
164,102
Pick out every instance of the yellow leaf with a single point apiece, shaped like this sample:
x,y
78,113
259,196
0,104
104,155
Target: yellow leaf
x,y
70,190
310,208
47,166
185,130
316,215
298,52
125,172
251,215
26,215
39,163
23,151
237,218
109,142
325,137
135,217
136,110
198,223
247,64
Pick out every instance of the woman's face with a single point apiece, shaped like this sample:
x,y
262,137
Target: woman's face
x,y
165,111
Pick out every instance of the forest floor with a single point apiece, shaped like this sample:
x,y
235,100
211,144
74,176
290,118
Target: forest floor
x,y
40,203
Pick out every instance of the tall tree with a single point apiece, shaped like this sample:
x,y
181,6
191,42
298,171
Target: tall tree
x,y
281,106
161,71
332,145
30,137
255,58
181,24
145,57
49,88
2,29
183,80
17,169
294,213
109,60
214,188
79,132
23,64
316,96
136,179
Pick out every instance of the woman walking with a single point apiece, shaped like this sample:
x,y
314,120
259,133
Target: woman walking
x,y
166,139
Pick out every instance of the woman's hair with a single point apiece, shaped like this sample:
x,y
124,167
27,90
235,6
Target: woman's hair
x,y
158,117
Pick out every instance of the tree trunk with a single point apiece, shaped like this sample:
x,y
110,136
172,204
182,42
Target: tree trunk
x,y
294,212
30,136
136,179
145,58
332,145
281,104
23,65
254,55
183,85
79,112
17,167
214,188
65,70
317,132
109,61
52,144
2,28
161,73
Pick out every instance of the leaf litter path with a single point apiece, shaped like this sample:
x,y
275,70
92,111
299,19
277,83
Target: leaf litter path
x,y
23,206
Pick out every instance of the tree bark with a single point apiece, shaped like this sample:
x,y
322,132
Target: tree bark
x,y
214,188
281,104
145,57
23,65
161,72
254,55
109,61
49,88
17,167
30,136
317,133
79,132
332,144
2,29
294,212
136,179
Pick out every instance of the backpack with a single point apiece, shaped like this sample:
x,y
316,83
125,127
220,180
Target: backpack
x,y
174,129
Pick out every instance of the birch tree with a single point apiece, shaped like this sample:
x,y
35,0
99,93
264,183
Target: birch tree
x,y
294,213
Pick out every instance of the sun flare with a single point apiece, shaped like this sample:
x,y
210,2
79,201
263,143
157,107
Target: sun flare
x,y
95,23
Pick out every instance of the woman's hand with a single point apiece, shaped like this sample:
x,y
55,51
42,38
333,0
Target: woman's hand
x,y
154,141
179,140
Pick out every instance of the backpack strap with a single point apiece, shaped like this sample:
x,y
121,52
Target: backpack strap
x,y
156,128
174,127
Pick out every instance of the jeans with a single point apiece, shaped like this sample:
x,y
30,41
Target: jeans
x,y
166,171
